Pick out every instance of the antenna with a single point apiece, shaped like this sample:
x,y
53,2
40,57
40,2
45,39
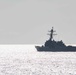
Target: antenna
x,y
51,34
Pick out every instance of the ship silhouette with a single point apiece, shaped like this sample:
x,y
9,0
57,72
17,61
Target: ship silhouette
x,y
55,46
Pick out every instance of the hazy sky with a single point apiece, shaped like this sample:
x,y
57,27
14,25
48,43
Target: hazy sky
x,y
28,21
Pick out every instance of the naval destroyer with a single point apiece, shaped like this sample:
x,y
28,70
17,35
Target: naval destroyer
x,y
55,46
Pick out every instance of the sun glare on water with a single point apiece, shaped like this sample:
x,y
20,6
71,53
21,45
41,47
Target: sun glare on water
x,y
25,60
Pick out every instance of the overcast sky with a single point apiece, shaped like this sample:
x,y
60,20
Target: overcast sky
x,y
28,21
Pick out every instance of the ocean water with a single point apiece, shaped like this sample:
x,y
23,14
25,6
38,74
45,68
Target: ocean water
x,y
25,60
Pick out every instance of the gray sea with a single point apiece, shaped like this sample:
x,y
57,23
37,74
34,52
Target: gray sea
x,y
25,60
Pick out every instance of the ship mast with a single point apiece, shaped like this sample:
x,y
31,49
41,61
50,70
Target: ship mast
x,y
52,34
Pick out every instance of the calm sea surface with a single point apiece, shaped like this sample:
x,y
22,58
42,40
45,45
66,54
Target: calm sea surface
x,y
25,60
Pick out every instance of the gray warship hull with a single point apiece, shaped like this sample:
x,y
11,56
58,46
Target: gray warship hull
x,y
47,49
